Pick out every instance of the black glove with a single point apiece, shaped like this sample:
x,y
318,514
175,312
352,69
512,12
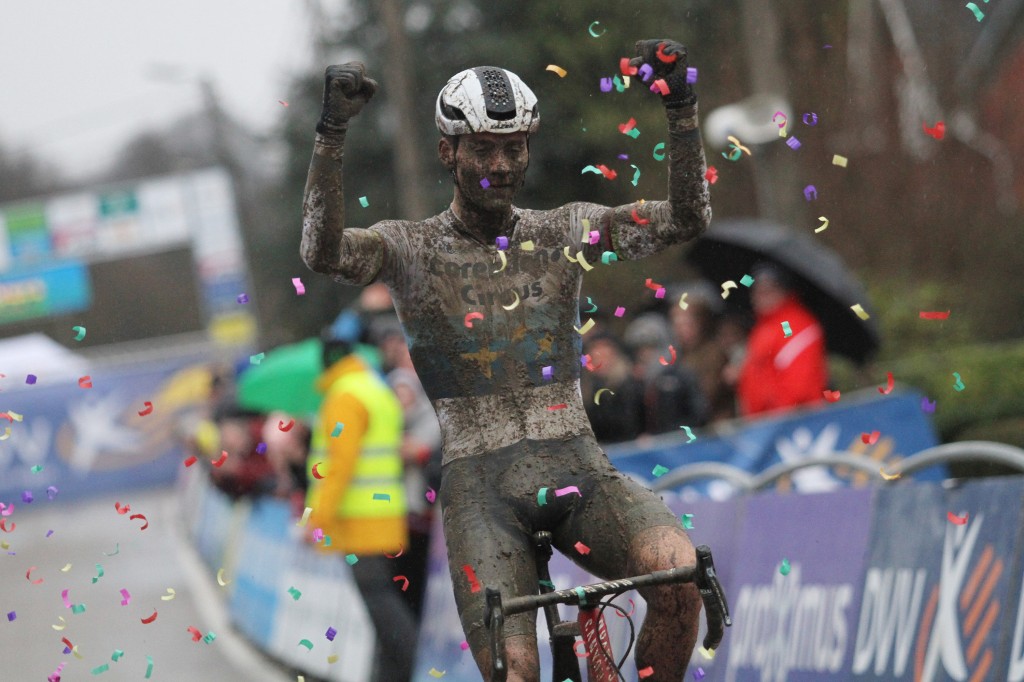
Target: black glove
x,y
346,91
680,93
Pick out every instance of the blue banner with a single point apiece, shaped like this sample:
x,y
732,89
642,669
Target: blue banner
x,y
43,291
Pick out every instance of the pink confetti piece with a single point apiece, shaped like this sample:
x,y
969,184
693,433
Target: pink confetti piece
x,y
64,597
568,490
620,311
127,597
300,288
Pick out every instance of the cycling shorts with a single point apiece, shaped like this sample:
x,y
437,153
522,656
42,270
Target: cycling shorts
x,y
491,508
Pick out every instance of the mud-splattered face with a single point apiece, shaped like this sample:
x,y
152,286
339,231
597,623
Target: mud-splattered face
x,y
501,160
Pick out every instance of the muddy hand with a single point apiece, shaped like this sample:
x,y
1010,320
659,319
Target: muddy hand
x,y
668,58
346,91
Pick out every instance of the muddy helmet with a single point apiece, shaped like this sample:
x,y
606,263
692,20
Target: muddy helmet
x,y
486,99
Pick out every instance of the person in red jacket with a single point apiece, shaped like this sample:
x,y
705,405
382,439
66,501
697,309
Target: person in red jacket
x,y
785,364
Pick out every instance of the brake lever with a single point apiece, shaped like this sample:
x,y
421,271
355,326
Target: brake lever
x,y
494,619
715,605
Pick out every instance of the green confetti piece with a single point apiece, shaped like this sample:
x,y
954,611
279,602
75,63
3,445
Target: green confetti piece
x,y
547,583
746,280
37,468
659,152
609,257
210,636
116,656
79,333
689,434
306,643
327,542
959,385
542,496
351,559
363,202
385,497
687,520
78,608
99,574
338,428
786,330
256,359
784,567
149,666
633,132
659,471
295,593
101,669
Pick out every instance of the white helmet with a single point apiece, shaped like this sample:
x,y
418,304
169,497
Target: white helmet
x,y
486,99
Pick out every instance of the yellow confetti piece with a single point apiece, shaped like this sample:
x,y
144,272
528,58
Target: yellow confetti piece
x,y
557,69
587,326
600,392
823,226
60,627
305,516
220,578
861,313
583,262
726,286
434,672
514,304
4,544
170,594
889,477
709,654
839,160
567,256
15,416
504,262
333,658
682,302
527,245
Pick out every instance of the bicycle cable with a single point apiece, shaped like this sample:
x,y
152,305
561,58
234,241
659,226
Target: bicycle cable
x,y
605,603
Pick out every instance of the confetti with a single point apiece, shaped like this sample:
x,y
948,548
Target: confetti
x,y
99,574
434,672
556,69
782,124
736,149
823,226
209,637
581,548
784,567
219,462
636,178
934,315
285,426
351,559
840,161
191,460
938,132
282,102
959,385
711,175
606,85
501,243
861,313
646,72
786,330
691,75
338,428
689,433
330,634
726,286
149,666
316,471
831,396
12,616
527,245
171,594
746,280
305,516
294,593
431,495
660,86
126,597
957,520
145,521
101,669
687,521
504,261
383,497
63,624
559,406
242,298
927,405
363,202
869,438
658,471
220,578
637,219
810,193
583,262
672,353
698,674
600,392
568,490
405,583
587,326
542,497
474,584
793,143
888,384
30,379
608,257
547,372
195,632
149,619
810,119
300,288
79,333
468,321
593,34
257,359
116,656
85,382
28,498
682,302
887,476
659,151
978,14
644,672
147,409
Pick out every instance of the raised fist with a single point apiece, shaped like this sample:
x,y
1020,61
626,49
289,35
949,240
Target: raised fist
x,y
668,60
346,91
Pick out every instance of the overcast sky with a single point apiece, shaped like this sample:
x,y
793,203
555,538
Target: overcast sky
x,y
77,76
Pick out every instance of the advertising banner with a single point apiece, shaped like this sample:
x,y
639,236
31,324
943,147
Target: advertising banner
x,y
43,291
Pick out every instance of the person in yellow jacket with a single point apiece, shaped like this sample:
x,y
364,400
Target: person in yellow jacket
x,y
357,496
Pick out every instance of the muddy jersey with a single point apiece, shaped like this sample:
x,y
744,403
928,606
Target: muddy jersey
x,y
495,336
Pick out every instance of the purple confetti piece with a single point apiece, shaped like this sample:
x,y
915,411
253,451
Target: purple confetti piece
x,y
624,157
927,405
793,143
11,616
698,674
646,72
30,379
501,243
243,298
330,634
49,533
606,85
485,183
810,193
27,497
51,492
810,119
261,449
547,372
691,75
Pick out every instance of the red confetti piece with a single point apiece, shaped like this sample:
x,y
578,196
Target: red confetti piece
x,y
470,317
646,672
28,577
67,643
581,548
711,175
652,285
405,585
3,526
888,385
395,556
196,634
667,58
661,86
831,396
938,132
625,68
219,462
191,460
282,102
316,472
474,584
580,653
632,608
148,409
937,315
627,126
150,619
607,172
145,524
672,352
638,220
957,520
559,406
869,438
85,382
286,427
122,510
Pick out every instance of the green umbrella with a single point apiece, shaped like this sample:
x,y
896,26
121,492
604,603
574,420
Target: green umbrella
x,y
286,378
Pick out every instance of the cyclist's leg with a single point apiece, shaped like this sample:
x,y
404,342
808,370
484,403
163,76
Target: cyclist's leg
x,y
483,533
630,531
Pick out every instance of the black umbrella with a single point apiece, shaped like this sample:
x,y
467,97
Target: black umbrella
x,y
730,249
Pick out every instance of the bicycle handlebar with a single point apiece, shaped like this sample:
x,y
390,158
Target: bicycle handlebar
x,y
703,575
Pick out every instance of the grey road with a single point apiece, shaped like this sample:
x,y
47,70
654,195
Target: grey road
x,y
67,546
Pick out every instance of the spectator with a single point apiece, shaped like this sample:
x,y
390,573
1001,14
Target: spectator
x,y
781,369
243,471
287,452
671,395
358,498
695,330
620,415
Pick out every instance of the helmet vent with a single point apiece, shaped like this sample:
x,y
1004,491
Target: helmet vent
x,y
499,98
